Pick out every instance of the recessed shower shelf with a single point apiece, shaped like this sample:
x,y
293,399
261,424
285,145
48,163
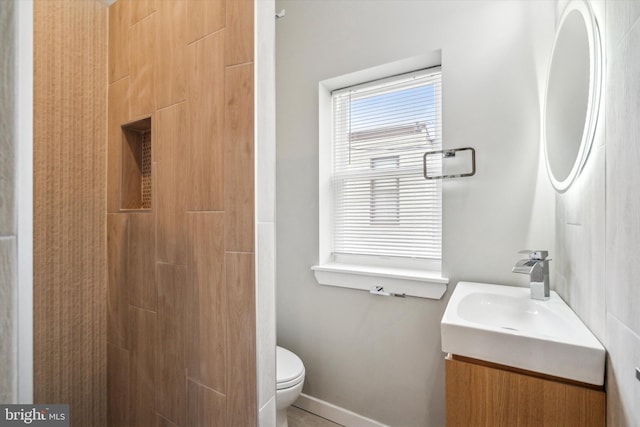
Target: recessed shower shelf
x,y
136,173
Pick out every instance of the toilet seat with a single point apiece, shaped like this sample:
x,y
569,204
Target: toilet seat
x,y
289,369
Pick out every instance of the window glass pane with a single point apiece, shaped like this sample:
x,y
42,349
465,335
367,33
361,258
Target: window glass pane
x,y
382,203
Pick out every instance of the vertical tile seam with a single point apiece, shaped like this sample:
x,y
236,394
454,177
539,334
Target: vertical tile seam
x,y
227,351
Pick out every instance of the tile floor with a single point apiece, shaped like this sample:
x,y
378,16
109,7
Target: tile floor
x,y
301,418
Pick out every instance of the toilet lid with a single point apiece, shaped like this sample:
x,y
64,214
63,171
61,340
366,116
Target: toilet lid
x,y
289,369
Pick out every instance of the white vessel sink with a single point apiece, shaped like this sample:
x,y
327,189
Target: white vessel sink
x,y
502,324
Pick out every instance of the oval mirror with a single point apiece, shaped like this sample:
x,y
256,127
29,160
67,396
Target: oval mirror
x,y
573,94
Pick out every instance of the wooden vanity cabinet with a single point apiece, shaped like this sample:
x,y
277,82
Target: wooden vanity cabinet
x,y
482,394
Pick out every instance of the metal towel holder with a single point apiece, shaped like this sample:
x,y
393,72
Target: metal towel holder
x,y
448,154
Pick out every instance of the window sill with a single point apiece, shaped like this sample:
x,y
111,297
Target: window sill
x,y
416,283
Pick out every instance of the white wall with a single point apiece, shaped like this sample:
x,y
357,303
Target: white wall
x,y
265,183
598,226
380,357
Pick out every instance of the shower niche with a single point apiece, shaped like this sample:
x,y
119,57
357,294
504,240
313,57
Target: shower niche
x,y
136,180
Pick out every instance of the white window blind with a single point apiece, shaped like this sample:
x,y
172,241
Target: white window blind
x,y
383,206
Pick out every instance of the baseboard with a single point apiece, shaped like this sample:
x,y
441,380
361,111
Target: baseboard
x,y
334,413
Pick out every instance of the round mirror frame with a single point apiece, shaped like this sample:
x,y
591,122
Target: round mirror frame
x,y
593,102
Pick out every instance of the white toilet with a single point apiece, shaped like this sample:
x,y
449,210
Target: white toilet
x,y
289,382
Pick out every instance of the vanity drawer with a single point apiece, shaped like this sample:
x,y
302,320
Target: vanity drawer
x,y
481,394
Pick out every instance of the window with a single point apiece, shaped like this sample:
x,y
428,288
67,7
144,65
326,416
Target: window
x,y
383,206
381,214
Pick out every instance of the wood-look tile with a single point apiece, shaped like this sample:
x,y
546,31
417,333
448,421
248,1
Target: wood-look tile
x,y
238,159
241,339
117,386
171,134
69,217
170,366
143,347
117,291
117,115
239,29
140,9
141,261
142,99
190,147
205,175
204,17
163,422
119,36
170,53
206,298
206,407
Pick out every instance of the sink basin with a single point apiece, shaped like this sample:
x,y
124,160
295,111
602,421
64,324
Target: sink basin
x,y
502,324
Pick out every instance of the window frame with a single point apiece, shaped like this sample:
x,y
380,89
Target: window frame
x,y
414,277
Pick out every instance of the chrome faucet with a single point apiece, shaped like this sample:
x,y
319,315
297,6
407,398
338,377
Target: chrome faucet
x,y
537,266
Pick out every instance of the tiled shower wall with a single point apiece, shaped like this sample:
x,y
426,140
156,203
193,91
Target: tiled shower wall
x,y
7,205
181,290
597,221
622,205
69,131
